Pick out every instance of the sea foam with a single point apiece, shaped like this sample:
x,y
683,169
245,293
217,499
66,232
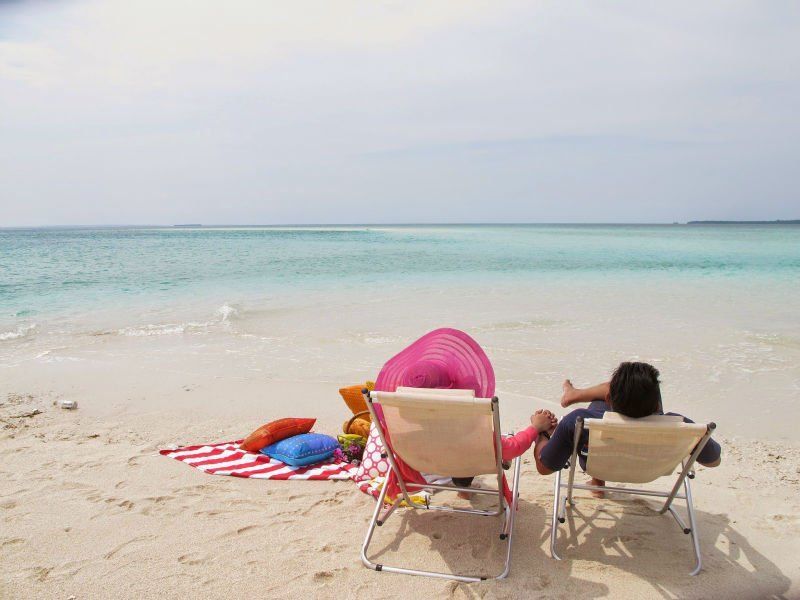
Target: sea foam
x,y
20,332
227,312
223,315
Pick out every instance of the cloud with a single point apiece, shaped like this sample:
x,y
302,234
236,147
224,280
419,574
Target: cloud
x,y
153,43
33,64
256,111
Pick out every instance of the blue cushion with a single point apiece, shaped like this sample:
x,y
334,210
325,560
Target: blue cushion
x,y
303,449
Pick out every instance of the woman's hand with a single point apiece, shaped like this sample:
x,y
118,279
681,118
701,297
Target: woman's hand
x,y
544,420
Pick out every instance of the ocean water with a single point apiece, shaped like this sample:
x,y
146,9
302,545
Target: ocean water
x,y
715,308
49,272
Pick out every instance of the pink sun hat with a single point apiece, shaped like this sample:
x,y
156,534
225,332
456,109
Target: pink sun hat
x,y
444,358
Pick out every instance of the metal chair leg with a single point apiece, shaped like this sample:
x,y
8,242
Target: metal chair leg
x,y
693,527
378,519
371,529
554,525
513,512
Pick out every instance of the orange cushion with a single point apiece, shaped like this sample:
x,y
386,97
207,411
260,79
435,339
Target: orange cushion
x,y
354,398
276,431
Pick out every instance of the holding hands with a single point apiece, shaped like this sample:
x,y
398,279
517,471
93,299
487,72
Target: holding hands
x,y
544,420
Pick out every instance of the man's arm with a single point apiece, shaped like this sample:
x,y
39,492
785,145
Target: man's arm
x,y
711,454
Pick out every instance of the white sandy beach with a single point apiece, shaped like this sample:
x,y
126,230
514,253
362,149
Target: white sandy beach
x,y
90,509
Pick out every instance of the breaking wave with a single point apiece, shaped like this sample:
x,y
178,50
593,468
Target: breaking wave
x,y
223,315
21,332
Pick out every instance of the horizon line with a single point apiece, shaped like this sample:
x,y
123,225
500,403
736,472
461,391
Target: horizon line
x,y
395,224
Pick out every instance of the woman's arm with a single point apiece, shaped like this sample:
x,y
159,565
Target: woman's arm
x,y
518,444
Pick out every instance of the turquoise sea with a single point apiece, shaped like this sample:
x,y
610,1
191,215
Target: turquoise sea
x,y
714,307
53,271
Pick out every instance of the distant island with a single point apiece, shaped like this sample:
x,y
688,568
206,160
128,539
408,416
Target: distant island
x,y
188,225
775,222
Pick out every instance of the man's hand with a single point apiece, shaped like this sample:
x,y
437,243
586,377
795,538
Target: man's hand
x,y
544,420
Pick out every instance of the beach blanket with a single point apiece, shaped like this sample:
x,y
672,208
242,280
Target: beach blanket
x,y
227,458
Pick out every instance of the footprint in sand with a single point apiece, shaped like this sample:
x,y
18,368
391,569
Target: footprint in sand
x,y
72,568
193,558
114,551
40,573
156,504
324,576
74,485
214,512
779,522
324,502
239,531
539,582
480,550
246,502
8,504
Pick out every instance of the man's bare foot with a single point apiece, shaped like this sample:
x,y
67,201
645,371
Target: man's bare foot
x,y
570,395
469,495
598,483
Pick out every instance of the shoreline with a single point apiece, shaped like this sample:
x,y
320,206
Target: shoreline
x,y
713,363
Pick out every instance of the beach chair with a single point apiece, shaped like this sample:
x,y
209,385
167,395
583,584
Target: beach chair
x,y
449,433
626,450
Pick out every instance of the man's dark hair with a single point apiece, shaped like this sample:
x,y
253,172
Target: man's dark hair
x,y
634,390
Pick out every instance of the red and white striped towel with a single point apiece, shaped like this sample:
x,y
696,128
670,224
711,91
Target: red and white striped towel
x,y
228,459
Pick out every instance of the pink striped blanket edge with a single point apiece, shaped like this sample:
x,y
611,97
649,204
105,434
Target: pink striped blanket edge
x,y
227,458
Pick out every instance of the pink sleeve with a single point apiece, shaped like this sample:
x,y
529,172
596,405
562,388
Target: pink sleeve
x,y
516,445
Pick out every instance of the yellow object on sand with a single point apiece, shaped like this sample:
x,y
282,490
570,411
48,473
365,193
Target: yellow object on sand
x,y
358,426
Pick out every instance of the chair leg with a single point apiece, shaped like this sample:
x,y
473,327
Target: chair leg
x,y
382,518
376,520
508,522
560,499
371,529
693,527
556,506
512,511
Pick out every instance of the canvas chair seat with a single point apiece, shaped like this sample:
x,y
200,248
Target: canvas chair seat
x,y
445,432
623,449
451,437
626,450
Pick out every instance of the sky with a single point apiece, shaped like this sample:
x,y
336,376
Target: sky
x,y
266,112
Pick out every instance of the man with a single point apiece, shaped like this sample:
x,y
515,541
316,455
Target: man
x,y
633,391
